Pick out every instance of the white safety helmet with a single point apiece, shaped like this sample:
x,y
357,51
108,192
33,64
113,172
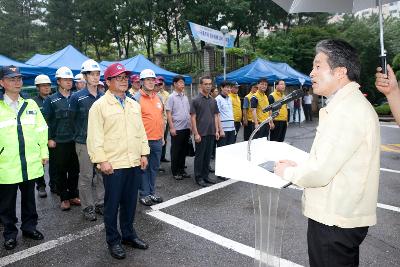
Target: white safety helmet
x,y
42,79
90,65
147,73
79,78
64,72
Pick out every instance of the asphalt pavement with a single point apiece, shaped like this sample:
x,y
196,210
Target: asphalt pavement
x,y
208,227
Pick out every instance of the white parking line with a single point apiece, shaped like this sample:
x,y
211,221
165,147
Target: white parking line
x,y
213,237
49,245
193,194
389,170
390,126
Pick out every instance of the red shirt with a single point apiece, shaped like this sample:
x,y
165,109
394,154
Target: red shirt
x,y
152,115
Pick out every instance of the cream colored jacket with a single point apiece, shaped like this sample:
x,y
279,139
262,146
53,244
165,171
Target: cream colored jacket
x,y
341,176
116,134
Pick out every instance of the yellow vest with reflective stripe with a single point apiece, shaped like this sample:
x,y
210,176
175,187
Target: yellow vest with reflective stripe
x,y
237,107
262,103
283,113
23,142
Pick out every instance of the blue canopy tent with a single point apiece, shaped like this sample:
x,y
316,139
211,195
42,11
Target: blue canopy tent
x,y
138,63
28,72
272,71
37,58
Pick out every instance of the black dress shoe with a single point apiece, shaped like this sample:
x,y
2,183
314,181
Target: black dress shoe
x,y
164,160
211,169
185,175
210,181
222,178
117,251
35,235
10,244
201,183
136,243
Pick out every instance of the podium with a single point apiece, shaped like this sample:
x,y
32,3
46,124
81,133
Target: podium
x,y
270,215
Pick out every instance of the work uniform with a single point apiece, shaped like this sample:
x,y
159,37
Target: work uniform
x,y
23,145
55,110
249,128
91,187
280,121
237,111
259,101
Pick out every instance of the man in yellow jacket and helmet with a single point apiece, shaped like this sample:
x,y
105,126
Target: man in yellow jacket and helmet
x,y
23,151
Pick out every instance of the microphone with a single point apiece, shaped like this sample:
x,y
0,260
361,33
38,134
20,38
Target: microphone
x,y
278,104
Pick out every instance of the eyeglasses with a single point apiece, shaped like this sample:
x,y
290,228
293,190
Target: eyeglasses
x,y
121,78
14,79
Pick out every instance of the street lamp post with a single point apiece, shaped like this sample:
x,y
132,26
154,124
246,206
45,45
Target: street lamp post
x,y
224,30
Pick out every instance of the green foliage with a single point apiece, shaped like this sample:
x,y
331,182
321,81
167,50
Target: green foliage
x,y
383,109
396,63
180,66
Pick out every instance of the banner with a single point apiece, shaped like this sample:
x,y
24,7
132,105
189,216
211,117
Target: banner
x,y
211,36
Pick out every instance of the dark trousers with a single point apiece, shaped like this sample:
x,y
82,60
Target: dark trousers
x,y
148,185
67,165
179,148
238,124
164,148
121,190
229,139
8,198
202,157
40,182
308,112
279,132
52,168
247,130
331,246
263,132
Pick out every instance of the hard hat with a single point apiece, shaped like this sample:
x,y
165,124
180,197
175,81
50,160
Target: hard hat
x,y
79,78
115,70
90,65
64,72
100,83
42,79
135,78
147,73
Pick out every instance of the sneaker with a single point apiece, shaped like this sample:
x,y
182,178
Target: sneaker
x,y
99,209
65,205
89,214
146,201
161,170
42,192
156,199
75,201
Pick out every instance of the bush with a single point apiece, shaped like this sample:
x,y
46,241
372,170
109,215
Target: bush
x,y
180,66
383,109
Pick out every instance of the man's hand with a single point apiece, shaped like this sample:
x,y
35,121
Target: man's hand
x,y
271,125
197,138
245,122
217,135
221,133
51,143
143,162
386,84
45,161
106,168
172,131
280,166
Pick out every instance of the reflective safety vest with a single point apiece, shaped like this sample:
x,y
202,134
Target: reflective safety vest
x,y
262,103
23,142
237,107
249,113
283,113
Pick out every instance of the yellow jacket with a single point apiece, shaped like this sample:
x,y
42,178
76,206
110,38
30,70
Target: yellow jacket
x,y
283,113
341,175
237,107
116,134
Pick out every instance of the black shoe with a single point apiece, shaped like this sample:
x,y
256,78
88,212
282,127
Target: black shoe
x,y
99,209
10,244
35,235
201,183
222,178
42,192
156,199
185,175
210,181
146,201
178,177
164,160
136,243
162,170
89,214
117,251
211,169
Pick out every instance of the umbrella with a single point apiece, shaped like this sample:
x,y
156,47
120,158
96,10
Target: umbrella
x,y
338,6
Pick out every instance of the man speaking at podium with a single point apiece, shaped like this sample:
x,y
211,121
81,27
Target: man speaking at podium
x,y
341,176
